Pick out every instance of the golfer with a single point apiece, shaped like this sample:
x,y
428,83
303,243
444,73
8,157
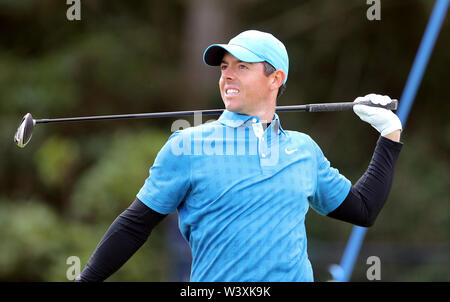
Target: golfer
x,y
242,185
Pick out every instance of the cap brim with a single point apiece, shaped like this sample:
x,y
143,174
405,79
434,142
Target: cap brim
x,y
213,55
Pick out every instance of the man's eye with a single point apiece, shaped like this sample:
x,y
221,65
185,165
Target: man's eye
x,y
242,67
223,67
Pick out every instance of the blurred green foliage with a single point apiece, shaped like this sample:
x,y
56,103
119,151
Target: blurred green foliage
x,y
59,195
110,185
56,159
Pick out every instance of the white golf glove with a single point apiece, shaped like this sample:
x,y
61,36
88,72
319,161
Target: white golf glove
x,y
384,120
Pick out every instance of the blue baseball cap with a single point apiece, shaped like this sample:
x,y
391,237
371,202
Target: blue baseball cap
x,y
251,46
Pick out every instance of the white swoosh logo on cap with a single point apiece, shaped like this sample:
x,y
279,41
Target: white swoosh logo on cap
x,y
290,151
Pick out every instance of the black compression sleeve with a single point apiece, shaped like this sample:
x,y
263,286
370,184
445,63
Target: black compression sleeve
x,y
366,198
124,237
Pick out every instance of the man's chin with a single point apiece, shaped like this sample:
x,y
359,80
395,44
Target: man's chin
x,y
231,106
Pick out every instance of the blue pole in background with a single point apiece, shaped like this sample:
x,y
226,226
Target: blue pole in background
x,y
421,60
343,271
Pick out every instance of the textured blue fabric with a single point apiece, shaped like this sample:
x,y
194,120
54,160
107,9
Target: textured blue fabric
x,y
242,197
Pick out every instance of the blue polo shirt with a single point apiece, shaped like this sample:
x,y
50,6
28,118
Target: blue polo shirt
x,y
242,194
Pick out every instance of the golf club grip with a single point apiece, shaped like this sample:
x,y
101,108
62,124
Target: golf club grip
x,y
348,106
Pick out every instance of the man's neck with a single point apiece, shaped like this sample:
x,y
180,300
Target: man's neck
x,y
265,125
266,116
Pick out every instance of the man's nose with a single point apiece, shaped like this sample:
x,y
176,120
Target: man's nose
x,y
228,73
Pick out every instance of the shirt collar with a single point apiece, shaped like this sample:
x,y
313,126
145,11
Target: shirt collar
x,y
233,119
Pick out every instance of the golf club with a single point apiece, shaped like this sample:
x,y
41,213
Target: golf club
x,y
25,130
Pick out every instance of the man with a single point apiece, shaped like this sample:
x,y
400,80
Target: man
x,y
242,184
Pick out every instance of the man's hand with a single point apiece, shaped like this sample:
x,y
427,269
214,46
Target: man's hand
x,y
385,121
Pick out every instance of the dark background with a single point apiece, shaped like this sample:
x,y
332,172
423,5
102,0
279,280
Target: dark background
x,y
60,193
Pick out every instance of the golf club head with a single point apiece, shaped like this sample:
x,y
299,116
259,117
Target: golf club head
x,y
25,131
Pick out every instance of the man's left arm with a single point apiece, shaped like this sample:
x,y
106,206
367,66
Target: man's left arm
x,y
368,196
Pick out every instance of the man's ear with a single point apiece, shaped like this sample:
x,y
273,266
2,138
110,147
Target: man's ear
x,y
278,78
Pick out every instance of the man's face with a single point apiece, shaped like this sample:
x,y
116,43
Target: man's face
x,y
243,86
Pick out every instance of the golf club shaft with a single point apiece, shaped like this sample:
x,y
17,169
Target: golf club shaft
x,y
323,107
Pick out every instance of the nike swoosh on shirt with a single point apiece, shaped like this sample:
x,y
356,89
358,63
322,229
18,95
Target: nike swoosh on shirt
x,y
290,151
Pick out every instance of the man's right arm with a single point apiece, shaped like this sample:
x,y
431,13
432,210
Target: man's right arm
x,y
124,237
